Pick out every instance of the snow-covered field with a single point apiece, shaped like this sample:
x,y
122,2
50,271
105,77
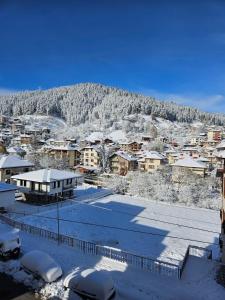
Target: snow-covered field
x,y
136,225
197,281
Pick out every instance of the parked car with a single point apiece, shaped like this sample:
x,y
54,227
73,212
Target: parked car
x,y
42,265
91,283
10,245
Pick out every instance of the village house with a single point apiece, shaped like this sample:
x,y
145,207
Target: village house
x,y
90,156
187,165
151,161
69,154
171,156
190,151
214,135
130,147
120,163
11,165
7,194
16,150
17,127
47,184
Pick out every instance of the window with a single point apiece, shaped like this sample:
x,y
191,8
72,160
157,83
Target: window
x,y
24,183
26,169
54,185
7,172
151,167
58,184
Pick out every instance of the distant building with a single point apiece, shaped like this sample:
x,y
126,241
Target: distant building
x,y
90,156
12,165
151,161
130,147
214,135
121,163
188,164
47,184
70,154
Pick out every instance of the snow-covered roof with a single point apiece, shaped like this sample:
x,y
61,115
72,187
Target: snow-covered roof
x,y
15,150
4,187
13,161
203,159
221,145
153,155
190,163
46,175
220,154
189,149
125,155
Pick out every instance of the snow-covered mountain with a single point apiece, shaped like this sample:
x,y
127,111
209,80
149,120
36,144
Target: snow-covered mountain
x,y
88,102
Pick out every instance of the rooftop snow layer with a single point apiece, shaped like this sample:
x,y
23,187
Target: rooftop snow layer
x,y
13,161
190,162
46,175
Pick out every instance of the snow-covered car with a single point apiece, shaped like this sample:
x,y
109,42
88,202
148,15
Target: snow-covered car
x,y
41,265
10,245
91,283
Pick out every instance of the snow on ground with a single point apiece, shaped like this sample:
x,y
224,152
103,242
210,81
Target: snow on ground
x,y
133,284
139,226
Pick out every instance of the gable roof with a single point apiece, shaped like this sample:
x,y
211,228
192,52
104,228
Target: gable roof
x,y
125,156
46,175
13,161
190,163
153,155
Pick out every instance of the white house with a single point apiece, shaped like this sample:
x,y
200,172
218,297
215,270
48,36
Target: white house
x,y
7,194
47,184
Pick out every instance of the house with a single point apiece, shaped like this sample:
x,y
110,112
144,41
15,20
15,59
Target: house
x,y
64,152
191,151
26,139
120,163
214,135
150,161
7,194
130,147
90,156
47,184
186,165
11,165
17,127
16,151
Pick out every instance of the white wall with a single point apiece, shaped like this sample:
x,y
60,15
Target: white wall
x,y
7,198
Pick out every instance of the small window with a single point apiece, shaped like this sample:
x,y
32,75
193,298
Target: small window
x,y
7,172
24,183
58,184
54,185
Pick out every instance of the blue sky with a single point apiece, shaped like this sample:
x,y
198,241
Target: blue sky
x,y
169,49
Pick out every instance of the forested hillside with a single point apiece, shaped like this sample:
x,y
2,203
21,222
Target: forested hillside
x,y
88,102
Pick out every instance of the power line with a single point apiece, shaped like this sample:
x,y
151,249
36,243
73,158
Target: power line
x,y
123,229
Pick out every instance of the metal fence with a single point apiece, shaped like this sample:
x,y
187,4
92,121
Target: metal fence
x,y
145,263
195,251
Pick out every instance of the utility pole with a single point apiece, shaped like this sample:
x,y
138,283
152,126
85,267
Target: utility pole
x,y
222,215
58,218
